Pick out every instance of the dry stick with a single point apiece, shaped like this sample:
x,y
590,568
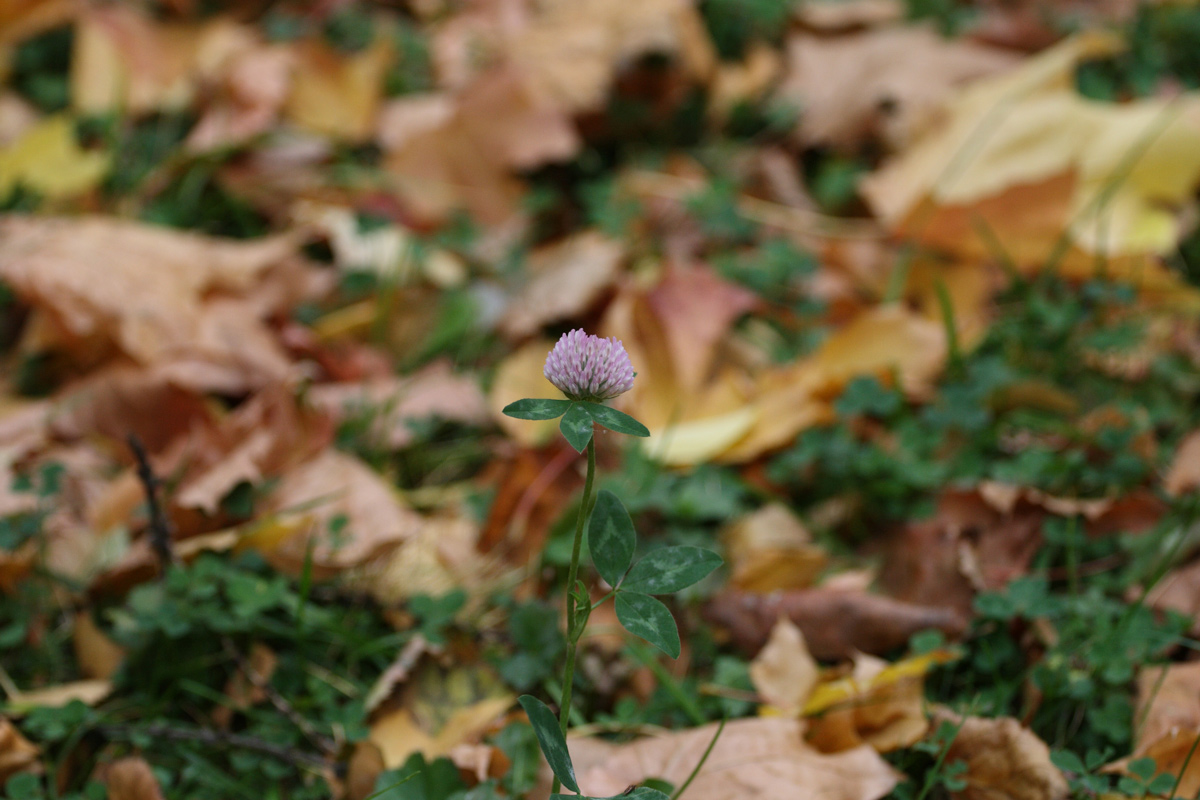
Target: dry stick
x,y
322,742
160,526
213,737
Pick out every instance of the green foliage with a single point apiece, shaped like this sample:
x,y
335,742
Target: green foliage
x,y
41,69
736,24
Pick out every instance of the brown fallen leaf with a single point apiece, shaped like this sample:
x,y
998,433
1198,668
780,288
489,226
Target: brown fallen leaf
x,y
769,549
764,757
244,689
391,405
835,623
138,287
341,514
1184,473
98,655
130,779
1167,723
254,90
17,754
784,672
885,82
836,15
565,280
1005,761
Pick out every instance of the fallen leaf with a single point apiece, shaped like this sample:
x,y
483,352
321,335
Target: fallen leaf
x,y
836,15
244,690
769,550
89,692
392,405
48,160
131,779
337,94
519,376
137,286
743,83
566,279
1005,761
349,516
442,710
879,704
255,89
17,754
784,673
835,623
752,758
886,82
1184,473
1021,132
98,655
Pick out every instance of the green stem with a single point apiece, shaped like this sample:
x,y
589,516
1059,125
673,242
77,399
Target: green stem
x,y
564,707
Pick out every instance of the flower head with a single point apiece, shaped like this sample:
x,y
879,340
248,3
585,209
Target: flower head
x,y
585,367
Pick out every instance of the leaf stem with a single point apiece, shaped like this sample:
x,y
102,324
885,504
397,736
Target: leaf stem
x,y
564,707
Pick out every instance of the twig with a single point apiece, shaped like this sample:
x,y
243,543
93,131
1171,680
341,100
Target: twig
x,y
214,737
322,742
160,526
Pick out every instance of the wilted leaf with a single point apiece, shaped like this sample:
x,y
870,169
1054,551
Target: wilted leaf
x,y
1184,473
752,758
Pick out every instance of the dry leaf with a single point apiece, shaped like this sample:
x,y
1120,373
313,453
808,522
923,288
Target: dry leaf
x,y
48,160
1167,723
836,623
769,549
834,15
1184,473
1027,157
138,286
886,82
879,704
1005,761
348,516
17,754
336,94
753,758
88,692
244,690
784,672
98,655
255,90
519,376
131,779
392,405
566,279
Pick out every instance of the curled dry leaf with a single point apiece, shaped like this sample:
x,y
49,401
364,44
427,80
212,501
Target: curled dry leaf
x,y
753,758
17,754
886,82
784,673
89,692
836,623
1005,761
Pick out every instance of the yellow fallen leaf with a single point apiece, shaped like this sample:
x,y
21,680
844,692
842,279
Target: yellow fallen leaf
x,y
48,160
335,94
700,440
844,690
1118,172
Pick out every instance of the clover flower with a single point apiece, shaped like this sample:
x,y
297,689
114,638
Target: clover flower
x,y
586,367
